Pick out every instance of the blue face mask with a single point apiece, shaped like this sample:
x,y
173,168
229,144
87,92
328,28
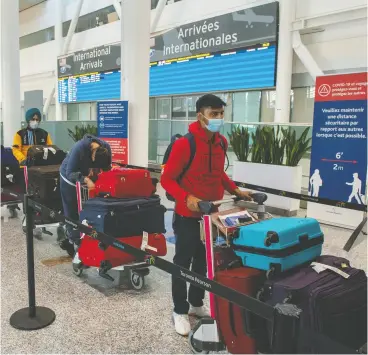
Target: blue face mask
x,y
214,124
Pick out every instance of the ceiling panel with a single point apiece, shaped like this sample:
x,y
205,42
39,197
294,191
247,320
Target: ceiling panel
x,y
25,4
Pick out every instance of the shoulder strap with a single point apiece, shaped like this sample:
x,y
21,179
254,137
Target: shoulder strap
x,y
192,147
224,147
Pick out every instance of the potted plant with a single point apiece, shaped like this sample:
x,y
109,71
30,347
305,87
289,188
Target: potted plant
x,y
81,131
272,161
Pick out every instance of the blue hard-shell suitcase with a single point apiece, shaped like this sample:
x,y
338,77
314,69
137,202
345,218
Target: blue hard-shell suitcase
x,y
279,244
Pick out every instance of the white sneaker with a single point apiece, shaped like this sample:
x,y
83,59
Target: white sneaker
x,y
199,312
182,325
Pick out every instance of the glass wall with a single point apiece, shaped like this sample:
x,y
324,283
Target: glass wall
x,y
85,111
35,38
93,19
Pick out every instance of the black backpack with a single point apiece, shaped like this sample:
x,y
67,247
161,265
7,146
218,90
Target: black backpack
x,y
192,146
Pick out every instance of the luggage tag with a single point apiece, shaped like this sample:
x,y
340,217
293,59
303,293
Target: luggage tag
x,y
145,245
318,267
45,153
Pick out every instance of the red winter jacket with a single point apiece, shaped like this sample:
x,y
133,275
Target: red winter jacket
x,y
205,179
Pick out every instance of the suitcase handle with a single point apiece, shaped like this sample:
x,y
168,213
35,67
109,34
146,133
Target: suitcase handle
x,y
231,318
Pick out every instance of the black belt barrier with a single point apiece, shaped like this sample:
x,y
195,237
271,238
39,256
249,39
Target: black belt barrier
x,y
36,317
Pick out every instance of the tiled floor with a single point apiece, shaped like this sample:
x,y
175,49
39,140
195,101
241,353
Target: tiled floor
x,y
94,315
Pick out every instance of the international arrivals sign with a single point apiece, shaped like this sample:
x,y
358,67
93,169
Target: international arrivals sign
x,y
239,29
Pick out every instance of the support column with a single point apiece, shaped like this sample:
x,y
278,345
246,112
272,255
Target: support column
x,y
135,59
59,47
284,61
10,70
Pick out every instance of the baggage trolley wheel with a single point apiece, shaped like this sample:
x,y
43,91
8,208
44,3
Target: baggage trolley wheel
x,y
136,280
60,232
194,349
78,269
13,211
270,273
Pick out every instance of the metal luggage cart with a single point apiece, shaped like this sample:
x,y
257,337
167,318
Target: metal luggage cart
x,y
135,272
40,227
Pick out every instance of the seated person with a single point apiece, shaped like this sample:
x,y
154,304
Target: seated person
x,y
31,135
87,155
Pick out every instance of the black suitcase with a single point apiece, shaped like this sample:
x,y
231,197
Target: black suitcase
x,y
42,155
44,182
333,303
43,217
125,217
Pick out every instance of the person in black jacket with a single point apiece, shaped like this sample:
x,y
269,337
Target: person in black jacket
x,y
86,156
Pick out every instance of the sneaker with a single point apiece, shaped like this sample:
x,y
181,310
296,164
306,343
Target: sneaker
x,y
199,312
182,325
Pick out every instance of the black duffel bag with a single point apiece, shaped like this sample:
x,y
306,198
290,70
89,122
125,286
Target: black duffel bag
x,y
42,155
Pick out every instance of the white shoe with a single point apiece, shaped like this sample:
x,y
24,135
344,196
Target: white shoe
x,y
199,312
182,325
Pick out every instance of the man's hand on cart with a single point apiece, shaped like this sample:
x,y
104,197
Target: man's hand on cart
x,y
193,203
243,195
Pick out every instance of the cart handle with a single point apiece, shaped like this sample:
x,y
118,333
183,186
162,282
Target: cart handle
x,y
207,207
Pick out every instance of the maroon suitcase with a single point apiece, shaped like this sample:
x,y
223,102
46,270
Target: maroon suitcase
x,y
230,317
333,304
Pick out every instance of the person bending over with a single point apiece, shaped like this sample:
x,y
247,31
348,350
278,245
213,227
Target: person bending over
x,y
31,135
204,180
86,155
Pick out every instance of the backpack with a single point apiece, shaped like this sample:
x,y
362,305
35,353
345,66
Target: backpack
x,y
9,166
192,146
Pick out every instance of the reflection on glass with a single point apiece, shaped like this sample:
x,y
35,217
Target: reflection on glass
x,y
163,109
179,108
246,106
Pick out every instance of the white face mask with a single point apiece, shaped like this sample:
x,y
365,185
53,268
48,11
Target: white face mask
x,y
34,124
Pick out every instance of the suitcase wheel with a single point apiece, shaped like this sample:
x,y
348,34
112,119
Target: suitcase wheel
x,y
136,280
77,269
193,346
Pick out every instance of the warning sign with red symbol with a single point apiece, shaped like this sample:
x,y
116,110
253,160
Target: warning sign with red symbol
x,y
341,87
338,169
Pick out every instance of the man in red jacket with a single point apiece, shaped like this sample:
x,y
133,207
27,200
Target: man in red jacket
x,y
205,179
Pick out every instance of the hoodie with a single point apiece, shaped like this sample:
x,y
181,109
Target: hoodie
x,y
205,179
77,164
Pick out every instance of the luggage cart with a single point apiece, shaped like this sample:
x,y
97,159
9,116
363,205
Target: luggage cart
x,y
135,272
205,337
12,195
39,227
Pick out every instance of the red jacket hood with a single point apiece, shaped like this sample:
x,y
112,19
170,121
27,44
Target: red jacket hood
x,y
199,132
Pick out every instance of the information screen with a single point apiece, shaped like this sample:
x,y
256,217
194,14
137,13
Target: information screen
x,y
250,68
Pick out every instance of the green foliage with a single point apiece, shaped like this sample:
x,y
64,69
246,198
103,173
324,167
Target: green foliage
x,y
81,131
239,140
295,148
270,145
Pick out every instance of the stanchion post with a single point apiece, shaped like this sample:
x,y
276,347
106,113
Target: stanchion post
x,y
31,317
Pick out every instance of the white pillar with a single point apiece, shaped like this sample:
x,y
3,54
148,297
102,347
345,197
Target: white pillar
x,y
59,47
284,61
10,69
135,59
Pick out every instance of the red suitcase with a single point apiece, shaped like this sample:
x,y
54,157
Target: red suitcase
x,y
125,183
229,316
91,255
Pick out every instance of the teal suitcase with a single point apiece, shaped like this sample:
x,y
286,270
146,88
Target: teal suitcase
x,y
279,244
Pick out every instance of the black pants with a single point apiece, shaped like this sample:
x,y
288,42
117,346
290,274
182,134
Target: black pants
x,y
70,208
189,249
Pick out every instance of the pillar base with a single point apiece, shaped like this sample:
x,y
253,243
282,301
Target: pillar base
x,y
22,321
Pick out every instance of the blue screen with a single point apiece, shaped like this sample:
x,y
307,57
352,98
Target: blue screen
x,y
242,69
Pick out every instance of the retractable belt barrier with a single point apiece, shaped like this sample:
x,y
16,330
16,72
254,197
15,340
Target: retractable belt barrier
x,y
272,191
249,303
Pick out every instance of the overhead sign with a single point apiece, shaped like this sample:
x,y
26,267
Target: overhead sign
x,y
112,127
339,147
238,29
96,59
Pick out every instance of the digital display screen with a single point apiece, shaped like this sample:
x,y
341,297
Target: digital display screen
x,y
250,68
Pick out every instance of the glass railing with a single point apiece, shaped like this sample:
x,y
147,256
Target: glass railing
x,y
59,133
161,132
